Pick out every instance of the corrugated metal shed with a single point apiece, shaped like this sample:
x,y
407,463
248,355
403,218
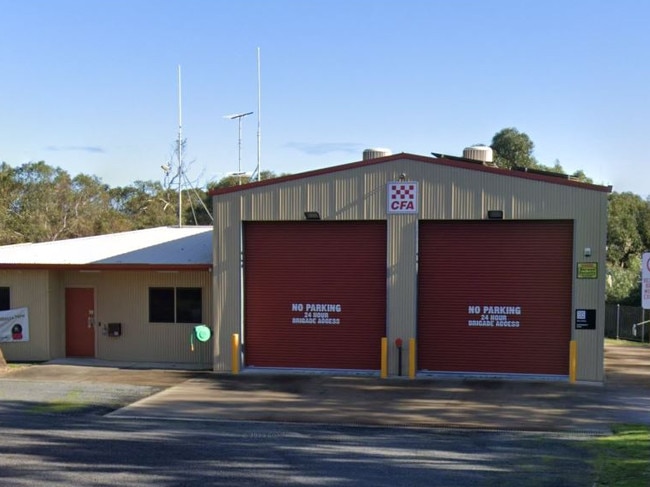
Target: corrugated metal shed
x,y
449,189
154,247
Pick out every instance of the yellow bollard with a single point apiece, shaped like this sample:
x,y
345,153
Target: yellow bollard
x,y
235,353
384,358
573,360
412,358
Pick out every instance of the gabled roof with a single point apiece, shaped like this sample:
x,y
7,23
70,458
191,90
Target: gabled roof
x,y
440,160
171,248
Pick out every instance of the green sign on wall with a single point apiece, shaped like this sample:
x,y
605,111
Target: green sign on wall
x,y
587,270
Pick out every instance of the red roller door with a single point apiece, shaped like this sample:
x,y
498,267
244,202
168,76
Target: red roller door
x,y
495,296
314,294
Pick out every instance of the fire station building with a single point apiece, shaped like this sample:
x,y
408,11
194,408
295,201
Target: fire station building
x,y
475,269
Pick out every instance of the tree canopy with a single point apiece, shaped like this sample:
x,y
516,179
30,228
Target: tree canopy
x,y
628,236
513,148
39,202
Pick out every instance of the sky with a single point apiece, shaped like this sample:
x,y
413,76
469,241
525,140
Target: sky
x,y
92,86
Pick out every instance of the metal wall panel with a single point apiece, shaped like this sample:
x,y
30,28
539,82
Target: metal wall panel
x,y
29,289
591,232
402,286
123,297
56,309
227,274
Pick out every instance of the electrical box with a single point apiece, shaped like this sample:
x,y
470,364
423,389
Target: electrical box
x,y
114,329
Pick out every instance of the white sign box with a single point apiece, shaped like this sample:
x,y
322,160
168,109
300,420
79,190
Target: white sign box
x,y
402,197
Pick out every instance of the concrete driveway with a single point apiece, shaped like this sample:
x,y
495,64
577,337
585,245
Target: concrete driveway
x,y
459,403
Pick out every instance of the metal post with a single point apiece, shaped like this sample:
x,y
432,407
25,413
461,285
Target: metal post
x,y
384,358
238,117
180,151
234,345
573,360
399,362
618,319
642,324
412,358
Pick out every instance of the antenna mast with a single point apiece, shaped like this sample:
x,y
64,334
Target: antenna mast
x,y
180,148
238,117
259,118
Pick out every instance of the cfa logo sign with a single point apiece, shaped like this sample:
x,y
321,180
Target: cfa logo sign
x,y
402,197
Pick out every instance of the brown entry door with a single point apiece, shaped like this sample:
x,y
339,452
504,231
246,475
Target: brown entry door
x,y
79,322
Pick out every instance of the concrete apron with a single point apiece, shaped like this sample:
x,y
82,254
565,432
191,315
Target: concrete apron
x,y
468,403
367,400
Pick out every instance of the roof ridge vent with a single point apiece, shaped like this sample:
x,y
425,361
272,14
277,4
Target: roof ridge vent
x,y
376,152
480,153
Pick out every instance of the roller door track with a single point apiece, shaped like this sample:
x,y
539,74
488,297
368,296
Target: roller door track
x,y
495,296
315,294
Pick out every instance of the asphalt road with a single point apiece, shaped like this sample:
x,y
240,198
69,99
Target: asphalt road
x,y
55,431
57,449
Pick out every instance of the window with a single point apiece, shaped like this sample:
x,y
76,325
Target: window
x,y
175,305
5,301
188,305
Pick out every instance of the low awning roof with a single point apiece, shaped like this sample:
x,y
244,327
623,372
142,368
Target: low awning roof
x,y
153,248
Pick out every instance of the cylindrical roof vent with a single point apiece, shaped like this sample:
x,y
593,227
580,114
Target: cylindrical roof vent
x,y
375,153
480,153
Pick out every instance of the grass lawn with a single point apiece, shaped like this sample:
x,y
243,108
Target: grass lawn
x,y
623,459
625,343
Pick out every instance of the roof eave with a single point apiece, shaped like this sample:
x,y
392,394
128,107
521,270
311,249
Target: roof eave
x,y
443,161
108,267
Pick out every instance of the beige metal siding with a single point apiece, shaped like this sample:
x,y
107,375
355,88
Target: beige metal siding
x,y
29,289
123,297
445,192
227,283
590,231
401,307
56,309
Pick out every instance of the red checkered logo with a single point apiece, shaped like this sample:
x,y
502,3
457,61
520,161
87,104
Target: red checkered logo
x,y
403,191
402,197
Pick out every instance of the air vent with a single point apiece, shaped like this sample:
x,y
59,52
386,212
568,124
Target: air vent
x,y
375,153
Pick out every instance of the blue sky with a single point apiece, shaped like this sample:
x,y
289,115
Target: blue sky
x,y
91,86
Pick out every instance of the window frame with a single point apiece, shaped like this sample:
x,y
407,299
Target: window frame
x,y
5,302
175,304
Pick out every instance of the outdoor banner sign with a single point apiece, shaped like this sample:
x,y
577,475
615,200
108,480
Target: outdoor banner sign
x,y
645,281
14,325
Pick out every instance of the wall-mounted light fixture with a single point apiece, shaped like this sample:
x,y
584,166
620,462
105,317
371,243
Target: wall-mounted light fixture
x,y
312,215
587,252
495,215
402,177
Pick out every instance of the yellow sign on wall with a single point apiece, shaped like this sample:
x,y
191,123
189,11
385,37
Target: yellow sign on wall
x,y
587,270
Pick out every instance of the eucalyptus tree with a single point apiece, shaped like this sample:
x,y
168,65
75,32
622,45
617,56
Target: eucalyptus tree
x,y
628,236
513,148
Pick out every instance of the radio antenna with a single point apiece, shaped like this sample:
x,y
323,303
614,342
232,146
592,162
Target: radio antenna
x,y
259,118
180,148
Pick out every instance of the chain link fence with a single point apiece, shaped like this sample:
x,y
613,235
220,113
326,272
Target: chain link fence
x,y
627,323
